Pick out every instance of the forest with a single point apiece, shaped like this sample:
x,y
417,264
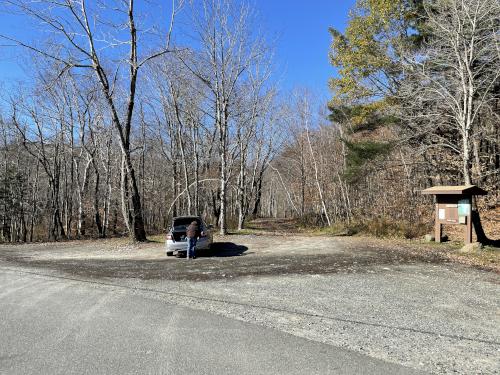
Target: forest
x,y
128,120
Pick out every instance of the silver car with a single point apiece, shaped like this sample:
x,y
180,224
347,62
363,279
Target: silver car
x,y
176,242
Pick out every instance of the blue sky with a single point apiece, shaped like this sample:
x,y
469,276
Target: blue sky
x,y
303,38
300,26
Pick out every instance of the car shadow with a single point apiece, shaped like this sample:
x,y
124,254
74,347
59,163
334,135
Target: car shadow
x,y
223,249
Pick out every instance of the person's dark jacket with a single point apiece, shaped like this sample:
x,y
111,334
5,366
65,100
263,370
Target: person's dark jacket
x,y
193,231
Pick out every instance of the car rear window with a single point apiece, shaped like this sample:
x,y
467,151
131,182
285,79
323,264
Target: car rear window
x,y
183,222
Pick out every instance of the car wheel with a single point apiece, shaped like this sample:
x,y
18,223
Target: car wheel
x,y
170,253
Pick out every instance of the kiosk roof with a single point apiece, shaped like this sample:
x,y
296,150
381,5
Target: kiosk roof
x,y
455,190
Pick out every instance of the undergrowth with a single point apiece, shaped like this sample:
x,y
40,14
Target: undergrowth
x,y
377,227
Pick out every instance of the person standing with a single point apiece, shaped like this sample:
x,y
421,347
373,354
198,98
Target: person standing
x,y
192,234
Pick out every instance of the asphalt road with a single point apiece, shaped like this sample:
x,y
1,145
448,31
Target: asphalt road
x,y
51,325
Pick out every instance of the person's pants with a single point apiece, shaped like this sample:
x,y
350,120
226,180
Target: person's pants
x,y
191,243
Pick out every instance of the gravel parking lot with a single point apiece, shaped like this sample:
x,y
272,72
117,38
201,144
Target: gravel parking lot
x,y
392,301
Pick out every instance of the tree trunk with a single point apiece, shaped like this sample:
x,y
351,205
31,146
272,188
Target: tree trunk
x,y
223,115
97,214
466,159
139,233
124,193
241,199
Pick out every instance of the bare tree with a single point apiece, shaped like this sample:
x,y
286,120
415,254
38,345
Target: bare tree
x,y
81,46
44,144
228,51
305,115
453,80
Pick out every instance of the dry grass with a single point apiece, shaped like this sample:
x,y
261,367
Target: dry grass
x,y
376,227
486,258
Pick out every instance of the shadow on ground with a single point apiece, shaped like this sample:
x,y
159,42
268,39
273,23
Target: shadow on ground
x,y
224,249
226,260
221,249
481,235
225,263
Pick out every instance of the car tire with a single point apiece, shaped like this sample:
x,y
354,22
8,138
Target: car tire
x,y
170,253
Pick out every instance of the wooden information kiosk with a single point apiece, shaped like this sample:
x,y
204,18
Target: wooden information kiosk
x,y
454,206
